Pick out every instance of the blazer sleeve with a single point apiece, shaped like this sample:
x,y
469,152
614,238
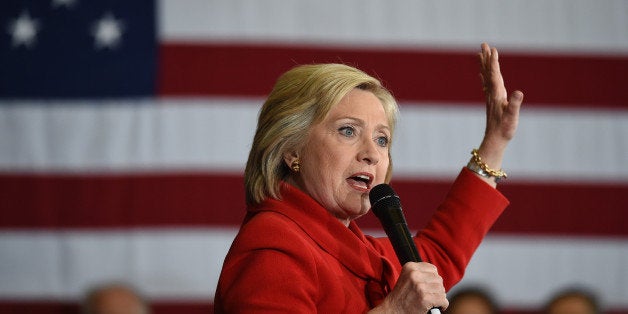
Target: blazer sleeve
x,y
459,225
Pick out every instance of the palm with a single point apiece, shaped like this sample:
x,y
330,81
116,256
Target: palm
x,y
502,113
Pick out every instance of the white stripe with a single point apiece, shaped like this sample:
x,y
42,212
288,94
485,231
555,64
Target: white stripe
x,y
524,272
550,144
184,264
214,134
166,264
566,25
134,135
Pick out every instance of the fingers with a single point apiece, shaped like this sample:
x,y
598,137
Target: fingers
x,y
427,283
490,75
419,288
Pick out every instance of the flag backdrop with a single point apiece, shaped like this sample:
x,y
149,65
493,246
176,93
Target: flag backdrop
x,y
125,126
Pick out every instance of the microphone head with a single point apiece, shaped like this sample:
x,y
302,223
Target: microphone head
x,y
383,196
379,192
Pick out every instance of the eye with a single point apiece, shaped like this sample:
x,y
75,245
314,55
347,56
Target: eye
x,y
382,141
347,131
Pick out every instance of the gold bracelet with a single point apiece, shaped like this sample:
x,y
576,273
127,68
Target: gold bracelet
x,y
486,170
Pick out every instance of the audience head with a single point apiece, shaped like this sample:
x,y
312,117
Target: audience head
x,y
114,298
472,301
573,301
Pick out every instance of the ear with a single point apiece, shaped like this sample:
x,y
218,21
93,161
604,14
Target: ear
x,y
290,157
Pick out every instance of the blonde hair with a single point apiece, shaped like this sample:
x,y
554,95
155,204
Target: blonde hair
x,y
301,98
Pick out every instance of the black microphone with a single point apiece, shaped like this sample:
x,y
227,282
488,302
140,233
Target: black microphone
x,y
387,207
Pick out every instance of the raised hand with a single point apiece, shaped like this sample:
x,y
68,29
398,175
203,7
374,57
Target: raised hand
x,y
502,112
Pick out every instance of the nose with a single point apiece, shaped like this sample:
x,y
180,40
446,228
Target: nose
x,y
369,152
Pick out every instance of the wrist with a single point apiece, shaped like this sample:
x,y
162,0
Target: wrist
x,y
481,168
492,152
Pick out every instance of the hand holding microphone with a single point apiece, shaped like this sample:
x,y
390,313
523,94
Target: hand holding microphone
x,y
418,282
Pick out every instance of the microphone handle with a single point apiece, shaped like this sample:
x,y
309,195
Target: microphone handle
x,y
402,242
404,246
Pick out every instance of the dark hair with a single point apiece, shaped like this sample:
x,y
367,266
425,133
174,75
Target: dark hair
x,y
473,292
577,293
90,300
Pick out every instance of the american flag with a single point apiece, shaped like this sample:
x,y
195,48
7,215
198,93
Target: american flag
x,y
125,127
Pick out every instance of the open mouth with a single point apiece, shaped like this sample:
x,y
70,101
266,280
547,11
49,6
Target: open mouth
x,y
361,181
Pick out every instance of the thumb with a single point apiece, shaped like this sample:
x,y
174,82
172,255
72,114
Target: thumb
x,y
514,103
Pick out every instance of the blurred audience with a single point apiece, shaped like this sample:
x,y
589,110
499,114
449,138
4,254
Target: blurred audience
x,y
114,298
472,300
573,301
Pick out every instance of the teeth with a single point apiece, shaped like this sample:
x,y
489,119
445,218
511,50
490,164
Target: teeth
x,y
363,177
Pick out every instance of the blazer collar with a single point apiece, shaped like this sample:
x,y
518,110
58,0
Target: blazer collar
x,y
348,245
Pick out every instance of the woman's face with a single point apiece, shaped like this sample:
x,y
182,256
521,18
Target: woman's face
x,y
346,155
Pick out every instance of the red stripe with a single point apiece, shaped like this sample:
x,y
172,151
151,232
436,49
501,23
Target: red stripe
x,y
38,201
120,201
421,75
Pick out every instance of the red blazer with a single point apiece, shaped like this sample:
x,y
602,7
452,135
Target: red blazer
x,y
293,256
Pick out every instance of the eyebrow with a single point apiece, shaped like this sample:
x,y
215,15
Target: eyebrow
x,y
361,122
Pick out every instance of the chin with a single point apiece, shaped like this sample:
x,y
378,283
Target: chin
x,y
366,204
355,212
361,212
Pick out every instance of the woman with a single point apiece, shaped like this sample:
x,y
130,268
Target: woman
x,y
322,142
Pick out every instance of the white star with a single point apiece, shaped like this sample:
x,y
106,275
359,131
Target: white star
x,y
24,30
107,32
63,3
